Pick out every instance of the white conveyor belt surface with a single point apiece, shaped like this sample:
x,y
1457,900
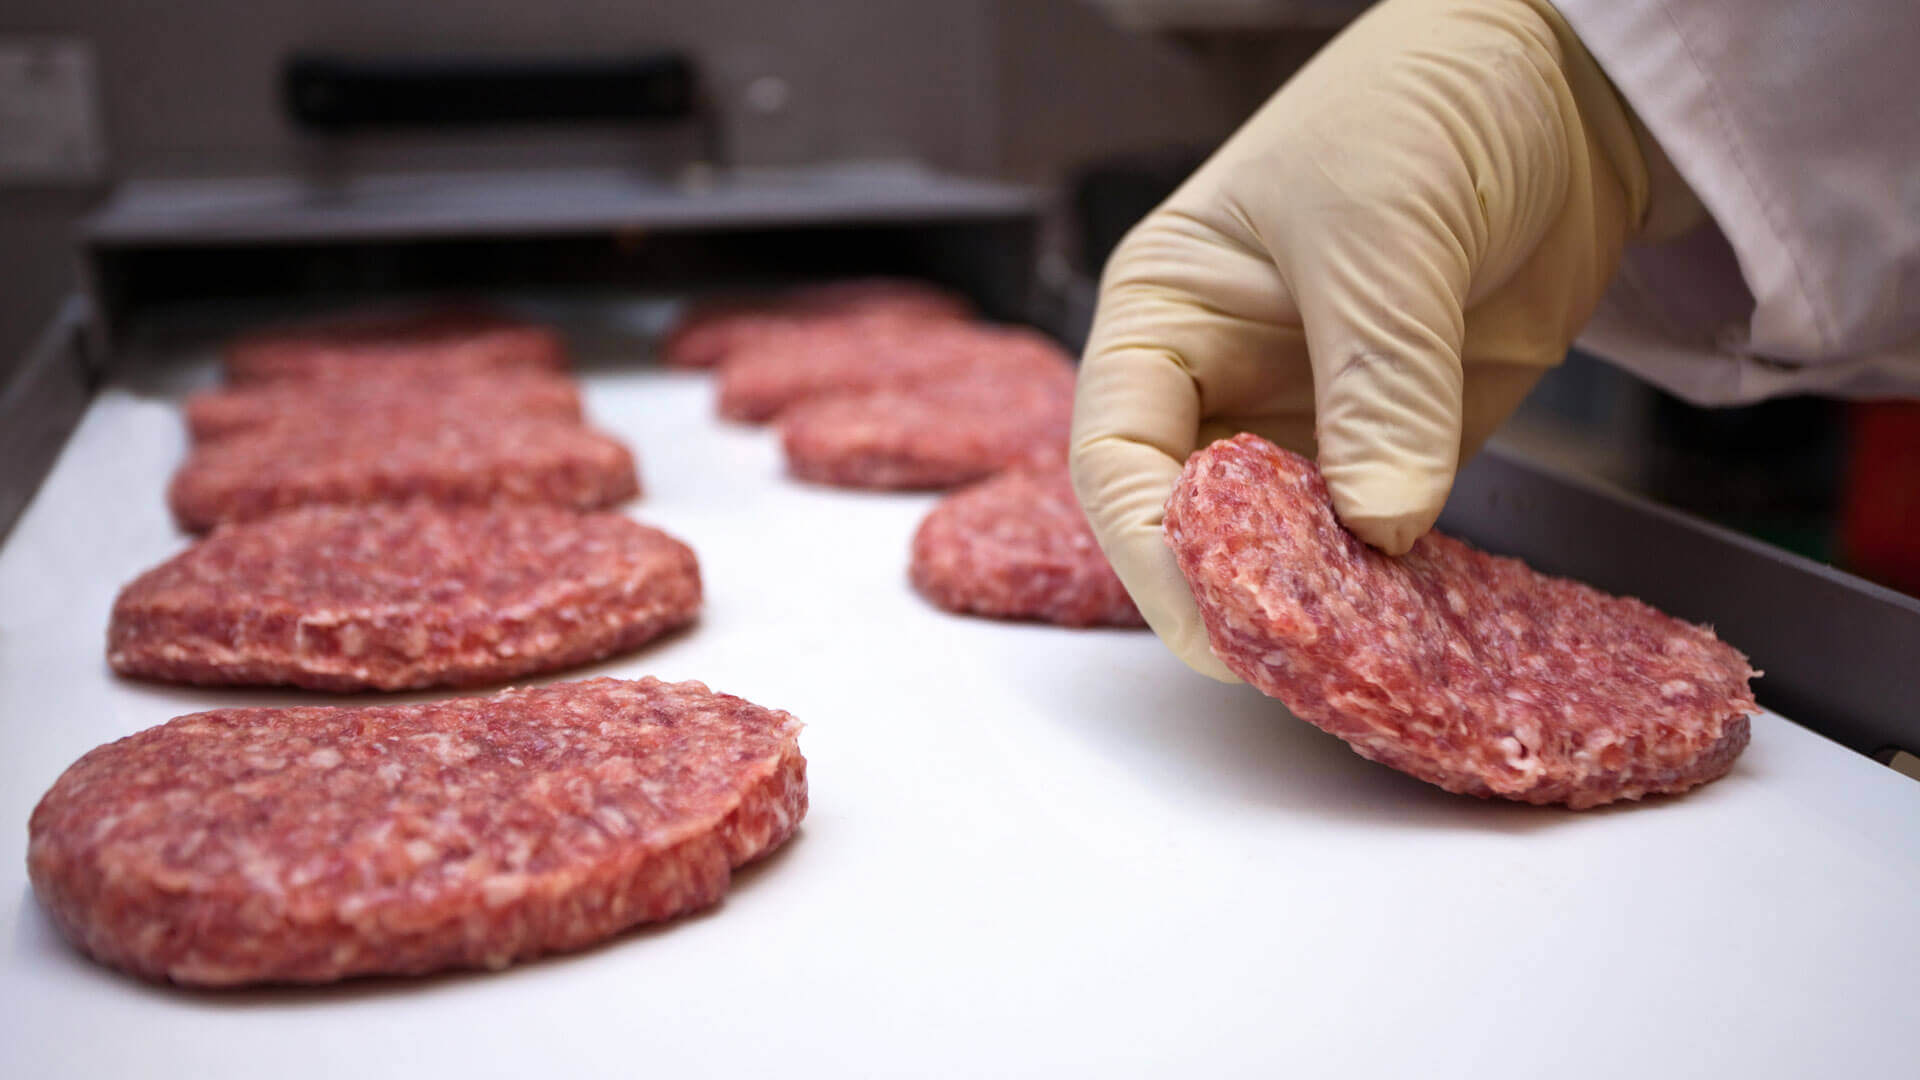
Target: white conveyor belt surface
x,y
1031,851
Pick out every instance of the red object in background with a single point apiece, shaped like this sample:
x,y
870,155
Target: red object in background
x,y
1880,517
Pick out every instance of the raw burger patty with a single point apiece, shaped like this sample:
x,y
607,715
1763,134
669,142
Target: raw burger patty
x,y
216,414
711,330
390,597
853,355
312,844
1466,670
934,435
443,341
1018,547
383,456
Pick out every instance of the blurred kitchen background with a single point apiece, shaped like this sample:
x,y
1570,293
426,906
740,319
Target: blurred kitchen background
x,y
1102,104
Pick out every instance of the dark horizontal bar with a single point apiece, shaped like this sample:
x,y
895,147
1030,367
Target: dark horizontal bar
x,y
337,95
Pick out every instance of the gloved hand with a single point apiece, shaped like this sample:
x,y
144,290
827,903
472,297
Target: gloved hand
x,y
1380,263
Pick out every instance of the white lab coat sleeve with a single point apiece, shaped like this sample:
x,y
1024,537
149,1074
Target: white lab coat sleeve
x,y
1795,125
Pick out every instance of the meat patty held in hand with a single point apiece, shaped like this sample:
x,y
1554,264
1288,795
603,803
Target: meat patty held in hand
x,y
1467,670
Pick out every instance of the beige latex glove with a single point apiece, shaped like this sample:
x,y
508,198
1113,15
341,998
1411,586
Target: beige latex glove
x,y
1379,264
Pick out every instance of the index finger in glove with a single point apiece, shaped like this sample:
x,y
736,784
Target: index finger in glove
x,y
1188,328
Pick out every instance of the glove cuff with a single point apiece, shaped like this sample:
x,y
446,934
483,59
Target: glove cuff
x,y
1660,205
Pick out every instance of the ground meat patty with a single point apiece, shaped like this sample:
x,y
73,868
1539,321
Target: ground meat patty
x,y
442,341
934,435
400,456
853,355
306,845
711,330
216,414
389,597
1466,670
1018,547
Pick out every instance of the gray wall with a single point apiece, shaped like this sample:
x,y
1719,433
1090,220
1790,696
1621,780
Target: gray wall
x,y
1022,88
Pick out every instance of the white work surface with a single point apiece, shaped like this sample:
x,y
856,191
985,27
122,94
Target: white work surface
x,y
1031,851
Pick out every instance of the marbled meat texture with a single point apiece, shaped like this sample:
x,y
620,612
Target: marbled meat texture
x,y
1467,670
397,456
710,331
784,368
216,414
442,341
399,597
938,434
305,845
1018,547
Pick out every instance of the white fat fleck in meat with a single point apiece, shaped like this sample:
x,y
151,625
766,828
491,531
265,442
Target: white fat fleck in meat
x,y
306,873
261,868
105,825
191,845
448,748
1517,755
613,819
324,758
519,851
502,889
353,639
